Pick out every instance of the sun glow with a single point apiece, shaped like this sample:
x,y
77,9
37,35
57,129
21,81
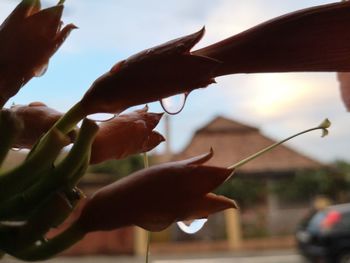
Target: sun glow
x,y
275,93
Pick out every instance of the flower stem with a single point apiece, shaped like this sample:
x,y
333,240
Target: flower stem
x,y
146,164
145,160
53,246
64,125
323,126
28,173
64,175
70,119
10,128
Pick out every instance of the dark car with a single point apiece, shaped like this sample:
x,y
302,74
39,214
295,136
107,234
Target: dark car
x,y
325,235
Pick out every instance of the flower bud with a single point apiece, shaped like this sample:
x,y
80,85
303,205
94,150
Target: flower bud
x,y
154,198
28,38
37,119
151,75
125,135
344,79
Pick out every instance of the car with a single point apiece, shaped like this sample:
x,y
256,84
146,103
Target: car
x,y
324,236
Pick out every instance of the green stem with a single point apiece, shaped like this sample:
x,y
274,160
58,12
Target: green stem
x,y
53,246
16,180
323,126
70,119
65,124
10,128
51,212
145,160
81,149
63,175
75,178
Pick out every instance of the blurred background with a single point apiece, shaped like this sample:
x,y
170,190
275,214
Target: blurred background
x,y
237,117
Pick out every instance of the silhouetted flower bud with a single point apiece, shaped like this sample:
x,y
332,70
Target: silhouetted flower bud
x,y
28,38
151,75
344,79
37,119
154,198
125,135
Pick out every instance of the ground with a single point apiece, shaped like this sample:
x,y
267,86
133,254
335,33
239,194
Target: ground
x,y
274,256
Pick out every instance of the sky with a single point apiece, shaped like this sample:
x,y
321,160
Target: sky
x,y
278,104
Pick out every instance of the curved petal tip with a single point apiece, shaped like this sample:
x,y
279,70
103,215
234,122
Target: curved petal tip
x,y
200,159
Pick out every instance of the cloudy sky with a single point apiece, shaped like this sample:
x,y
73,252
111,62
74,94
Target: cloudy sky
x,y
279,104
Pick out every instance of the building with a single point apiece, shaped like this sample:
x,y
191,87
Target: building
x,y
233,141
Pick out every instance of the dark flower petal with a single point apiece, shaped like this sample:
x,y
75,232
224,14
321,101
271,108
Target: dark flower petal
x,y
62,35
154,139
37,119
125,135
28,38
205,206
45,24
154,197
313,39
344,79
200,159
22,10
151,75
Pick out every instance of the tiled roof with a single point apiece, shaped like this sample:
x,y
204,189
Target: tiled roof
x,y
233,141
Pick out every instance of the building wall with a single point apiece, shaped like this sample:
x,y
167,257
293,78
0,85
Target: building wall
x,y
104,243
284,221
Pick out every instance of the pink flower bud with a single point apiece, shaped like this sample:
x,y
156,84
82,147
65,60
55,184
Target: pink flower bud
x,y
37,119
125,135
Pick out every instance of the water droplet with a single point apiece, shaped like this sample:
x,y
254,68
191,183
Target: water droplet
x,y
16,149
191,227
41,70
38,243
174,104
101,117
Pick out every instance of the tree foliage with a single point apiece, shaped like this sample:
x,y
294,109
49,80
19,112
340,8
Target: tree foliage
x,y
331,182
119,168
246,192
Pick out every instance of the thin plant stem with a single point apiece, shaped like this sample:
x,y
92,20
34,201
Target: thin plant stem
x,y
148,246
145,160
146,165
323,126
